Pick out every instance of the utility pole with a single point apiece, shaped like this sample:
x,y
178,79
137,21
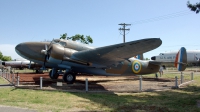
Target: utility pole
x,y
124,29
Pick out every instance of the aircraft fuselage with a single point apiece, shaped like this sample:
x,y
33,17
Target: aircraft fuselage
x,y
193,57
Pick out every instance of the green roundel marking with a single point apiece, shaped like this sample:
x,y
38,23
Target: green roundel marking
x,y
136,66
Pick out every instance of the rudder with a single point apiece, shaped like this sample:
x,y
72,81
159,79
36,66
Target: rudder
x,y
181,59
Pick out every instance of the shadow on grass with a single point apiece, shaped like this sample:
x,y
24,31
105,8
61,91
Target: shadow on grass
x,y
180,100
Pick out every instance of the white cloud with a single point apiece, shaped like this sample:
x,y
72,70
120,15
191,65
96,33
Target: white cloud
x,y
9,50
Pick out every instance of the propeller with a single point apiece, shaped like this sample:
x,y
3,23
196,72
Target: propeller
x,y
45,52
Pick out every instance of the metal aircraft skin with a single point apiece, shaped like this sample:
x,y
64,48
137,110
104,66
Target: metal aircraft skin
x,y
21,64
1,66
167,59
75,57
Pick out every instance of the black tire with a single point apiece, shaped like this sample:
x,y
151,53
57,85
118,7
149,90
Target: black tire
x,y
69,77
55,75
36,71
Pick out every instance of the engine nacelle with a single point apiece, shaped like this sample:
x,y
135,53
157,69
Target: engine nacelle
x,y
59,53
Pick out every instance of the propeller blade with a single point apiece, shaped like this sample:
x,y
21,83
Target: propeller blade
x,y
46,47
46,52
44,62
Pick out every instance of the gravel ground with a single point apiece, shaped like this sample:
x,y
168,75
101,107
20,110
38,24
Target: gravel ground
x,y
96,83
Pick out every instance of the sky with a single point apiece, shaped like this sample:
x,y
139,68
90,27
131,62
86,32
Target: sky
x,y
39,20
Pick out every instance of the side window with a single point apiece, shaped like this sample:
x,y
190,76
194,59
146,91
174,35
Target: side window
x,y
63,44
161,54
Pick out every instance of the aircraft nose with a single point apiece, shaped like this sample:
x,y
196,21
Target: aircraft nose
x,y
31,50
19,48
153,58
22,49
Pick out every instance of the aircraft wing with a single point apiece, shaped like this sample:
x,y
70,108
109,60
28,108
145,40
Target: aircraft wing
x,y
113,54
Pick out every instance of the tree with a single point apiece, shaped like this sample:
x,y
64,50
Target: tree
x,y
78,37
194,7
63,36
6,58
82,39
1,55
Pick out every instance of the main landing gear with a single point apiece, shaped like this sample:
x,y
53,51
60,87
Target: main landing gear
x,y
69,77
53,74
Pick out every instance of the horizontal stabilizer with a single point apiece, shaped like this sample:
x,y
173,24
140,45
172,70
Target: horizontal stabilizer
x,y
181,59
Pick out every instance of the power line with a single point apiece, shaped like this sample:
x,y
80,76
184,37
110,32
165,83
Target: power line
x,y
163,17
124,29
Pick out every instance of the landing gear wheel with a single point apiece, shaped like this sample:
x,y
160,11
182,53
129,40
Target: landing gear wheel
x,y
69,77
55,75
36,71
39,71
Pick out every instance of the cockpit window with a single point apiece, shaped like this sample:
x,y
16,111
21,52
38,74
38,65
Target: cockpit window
x,y
60,42
54,41
63,44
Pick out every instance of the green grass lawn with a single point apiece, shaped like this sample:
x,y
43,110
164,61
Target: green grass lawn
x,y
3,81
175,100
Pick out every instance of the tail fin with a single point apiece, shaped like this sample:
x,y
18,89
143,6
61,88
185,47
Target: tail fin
x,y
181,59
140,56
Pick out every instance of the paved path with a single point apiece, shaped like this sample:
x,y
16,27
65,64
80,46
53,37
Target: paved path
x,y
14,109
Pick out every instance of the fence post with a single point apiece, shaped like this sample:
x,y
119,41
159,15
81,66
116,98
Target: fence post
x,y
192,75
13,78
40,82
86,85
176,82
8,76
18,80
182,78
196,69
140,81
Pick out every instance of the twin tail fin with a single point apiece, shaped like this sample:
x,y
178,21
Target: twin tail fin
x,y
181,59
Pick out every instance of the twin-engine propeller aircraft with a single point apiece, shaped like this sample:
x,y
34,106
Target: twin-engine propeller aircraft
x,y
74,57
